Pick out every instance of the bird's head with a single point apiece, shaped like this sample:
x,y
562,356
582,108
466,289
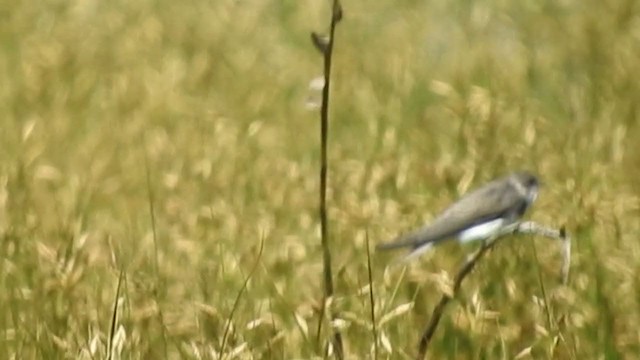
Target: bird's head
x,y
530,185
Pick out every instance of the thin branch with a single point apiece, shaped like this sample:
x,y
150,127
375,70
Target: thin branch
x,y
438,311
325,46
528,227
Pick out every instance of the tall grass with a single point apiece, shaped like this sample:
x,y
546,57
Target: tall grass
x,y
429,99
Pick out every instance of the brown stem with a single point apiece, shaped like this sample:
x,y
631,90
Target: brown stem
x,y
326,47
520,228
438,311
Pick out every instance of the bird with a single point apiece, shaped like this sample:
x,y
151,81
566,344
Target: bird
x,y
478,215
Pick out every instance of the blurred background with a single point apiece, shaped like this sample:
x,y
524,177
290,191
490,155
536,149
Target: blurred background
x,y
168,140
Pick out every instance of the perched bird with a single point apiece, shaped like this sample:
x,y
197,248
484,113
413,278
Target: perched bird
x,y
478,215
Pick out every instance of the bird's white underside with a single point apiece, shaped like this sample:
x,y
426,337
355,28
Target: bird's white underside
x,y
481,232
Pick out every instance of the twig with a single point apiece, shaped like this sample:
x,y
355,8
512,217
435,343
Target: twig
x,y
528,227
436,315
325,46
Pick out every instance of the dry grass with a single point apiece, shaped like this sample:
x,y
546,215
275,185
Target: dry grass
x,y
192,113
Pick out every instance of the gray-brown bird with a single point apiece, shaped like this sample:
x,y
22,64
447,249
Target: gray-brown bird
x,y
478,215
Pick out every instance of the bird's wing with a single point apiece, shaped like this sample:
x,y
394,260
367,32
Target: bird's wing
x,y
484,204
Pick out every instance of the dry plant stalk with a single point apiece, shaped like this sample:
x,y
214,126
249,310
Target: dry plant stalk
x,y
374,330
325,46
114,318
236,302
528,227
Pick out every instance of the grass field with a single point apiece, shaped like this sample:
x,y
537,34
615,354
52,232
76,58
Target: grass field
x,y
166,141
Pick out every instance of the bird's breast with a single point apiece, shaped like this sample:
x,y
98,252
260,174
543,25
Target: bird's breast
x,y
481,231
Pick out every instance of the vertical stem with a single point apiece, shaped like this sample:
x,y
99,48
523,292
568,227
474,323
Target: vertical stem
x,y
336,14
159,282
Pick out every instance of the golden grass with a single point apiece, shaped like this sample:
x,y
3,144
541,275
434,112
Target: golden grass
x,y
195,111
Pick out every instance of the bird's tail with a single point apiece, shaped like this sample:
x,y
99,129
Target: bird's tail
x,y
399,242
414,239
416,252
420,242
